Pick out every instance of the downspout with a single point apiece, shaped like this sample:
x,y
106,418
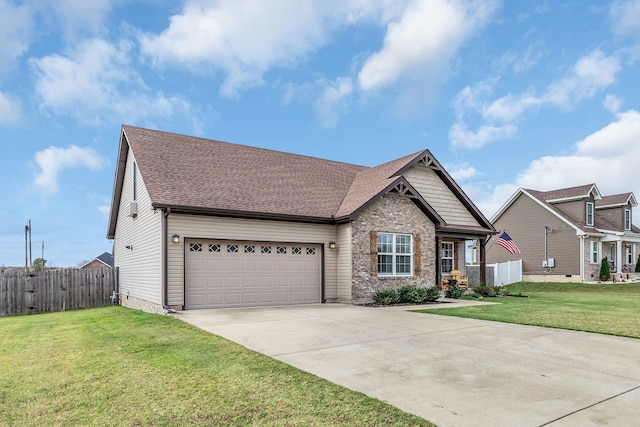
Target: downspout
x,y
165,257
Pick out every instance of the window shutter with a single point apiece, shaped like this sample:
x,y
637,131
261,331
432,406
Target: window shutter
x,y
373,246
417,254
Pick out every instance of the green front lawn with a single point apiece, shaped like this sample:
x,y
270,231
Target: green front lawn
x,y
114,366
607,308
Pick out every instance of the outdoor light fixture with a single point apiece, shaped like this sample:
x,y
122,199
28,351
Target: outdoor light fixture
x,y
332,245
175,238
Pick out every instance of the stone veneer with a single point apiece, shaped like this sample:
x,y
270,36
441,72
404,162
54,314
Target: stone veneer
x,y
140,304
389,214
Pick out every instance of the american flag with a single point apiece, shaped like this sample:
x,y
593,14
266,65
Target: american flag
x,y
506,242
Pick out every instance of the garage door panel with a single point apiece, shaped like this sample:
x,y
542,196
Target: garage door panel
x,y
236,274
215,282
266,281
249,282
249,265
233,282
233,298
233,265
215,299
214,265
250,298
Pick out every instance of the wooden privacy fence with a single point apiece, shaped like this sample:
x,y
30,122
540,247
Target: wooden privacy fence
x,y
56,290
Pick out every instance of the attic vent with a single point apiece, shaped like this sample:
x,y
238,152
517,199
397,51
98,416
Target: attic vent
x,y
133,209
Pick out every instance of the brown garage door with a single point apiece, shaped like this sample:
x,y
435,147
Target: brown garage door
x,y
248,274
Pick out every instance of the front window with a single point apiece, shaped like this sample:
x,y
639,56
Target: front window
x,y
589,213
627,219
594,253
630,257
395,254
446,259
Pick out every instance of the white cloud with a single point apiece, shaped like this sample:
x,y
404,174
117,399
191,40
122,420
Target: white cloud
x,y
602,158
333,99
10,110
53,160
16,27
76,17
590,74
243,39
462,172
95,81
423,40
612,103
625,17
460,136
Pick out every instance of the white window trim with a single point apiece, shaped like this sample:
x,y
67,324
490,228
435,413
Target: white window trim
x,y
394,254
627,219
630,254
589,221
593,244
452,257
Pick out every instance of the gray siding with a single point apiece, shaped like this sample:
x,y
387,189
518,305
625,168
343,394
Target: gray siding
x,y
204,227
438,195
524,221
614,215
140,267
576,209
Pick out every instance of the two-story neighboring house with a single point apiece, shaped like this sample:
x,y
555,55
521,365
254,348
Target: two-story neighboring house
x,y
564,234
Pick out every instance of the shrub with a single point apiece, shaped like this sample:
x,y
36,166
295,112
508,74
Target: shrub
x,y
605,271
483,289
385,296
638,264
409,294
432,293
454,292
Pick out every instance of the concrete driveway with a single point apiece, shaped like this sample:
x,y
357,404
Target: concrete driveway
x,y
451,371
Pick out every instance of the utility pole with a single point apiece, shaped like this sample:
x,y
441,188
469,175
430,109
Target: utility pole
x,y
43,255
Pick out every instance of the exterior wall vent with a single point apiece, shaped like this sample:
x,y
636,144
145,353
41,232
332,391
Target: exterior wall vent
x,y
133,209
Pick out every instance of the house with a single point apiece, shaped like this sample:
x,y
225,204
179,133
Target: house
x,y
103,261
564,234
199,223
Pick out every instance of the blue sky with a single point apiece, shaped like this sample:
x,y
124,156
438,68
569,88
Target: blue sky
x,y
538,94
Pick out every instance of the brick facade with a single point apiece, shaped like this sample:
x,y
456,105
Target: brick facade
x,y
389,214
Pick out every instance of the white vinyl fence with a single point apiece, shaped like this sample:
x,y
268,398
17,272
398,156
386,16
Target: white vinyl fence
x,y
505,273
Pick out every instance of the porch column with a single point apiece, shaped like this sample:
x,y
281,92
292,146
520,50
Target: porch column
x,y
482,260
619,257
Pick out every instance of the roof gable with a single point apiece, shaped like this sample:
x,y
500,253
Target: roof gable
x,y
617,200
571,193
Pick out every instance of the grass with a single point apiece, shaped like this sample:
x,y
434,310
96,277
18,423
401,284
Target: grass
x,y
605,308
119,367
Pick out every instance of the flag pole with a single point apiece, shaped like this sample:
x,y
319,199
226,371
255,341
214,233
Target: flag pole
x,y
492,240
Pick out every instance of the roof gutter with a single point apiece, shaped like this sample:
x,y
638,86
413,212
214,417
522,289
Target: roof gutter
x,y
190,210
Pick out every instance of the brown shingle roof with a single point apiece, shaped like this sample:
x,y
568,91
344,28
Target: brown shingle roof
x,y
186,171
369,182
615,200
197,175
567,193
